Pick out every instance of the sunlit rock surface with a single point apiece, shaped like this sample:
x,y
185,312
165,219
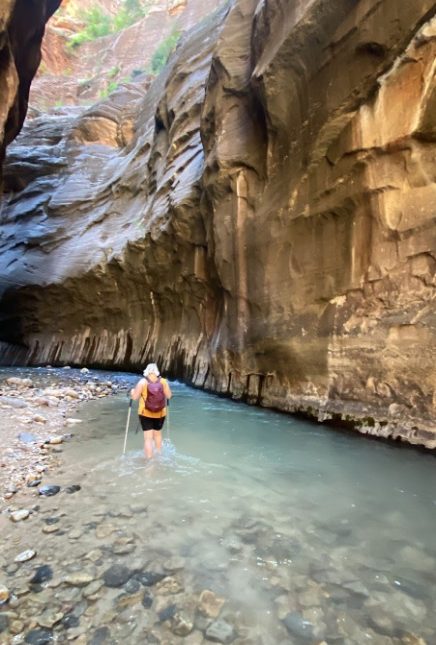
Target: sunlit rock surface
x,y
260,221
22,27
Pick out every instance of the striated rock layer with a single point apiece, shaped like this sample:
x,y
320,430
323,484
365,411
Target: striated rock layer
x,y
261,221
22,25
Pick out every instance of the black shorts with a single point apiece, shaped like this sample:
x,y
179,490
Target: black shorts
x,y
148,423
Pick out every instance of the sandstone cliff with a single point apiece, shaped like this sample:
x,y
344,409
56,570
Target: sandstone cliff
x,y
22,27
260,221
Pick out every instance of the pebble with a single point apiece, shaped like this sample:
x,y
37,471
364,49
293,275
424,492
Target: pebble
x,y
71,421
49,618
181,624
39,637
210,604
220,632
74,488
79,579
24,556
93,588
50,528
18,516
42,574
116,576
298,626
4,594
55,440
48,490
169,586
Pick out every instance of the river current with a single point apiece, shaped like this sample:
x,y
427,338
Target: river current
x,y
251,527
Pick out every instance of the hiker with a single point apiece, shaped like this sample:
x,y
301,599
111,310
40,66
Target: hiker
x,y
153,393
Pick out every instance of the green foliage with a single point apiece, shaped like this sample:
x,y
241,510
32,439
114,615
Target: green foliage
x,y
163,51
98,23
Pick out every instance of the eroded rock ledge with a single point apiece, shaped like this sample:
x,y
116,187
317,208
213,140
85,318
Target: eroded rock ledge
x,y
260,221
22,25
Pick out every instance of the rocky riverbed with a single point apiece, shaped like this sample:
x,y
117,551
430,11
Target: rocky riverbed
x,y
193,548
37,416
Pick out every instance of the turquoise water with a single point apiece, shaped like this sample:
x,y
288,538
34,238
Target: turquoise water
x,y
305,533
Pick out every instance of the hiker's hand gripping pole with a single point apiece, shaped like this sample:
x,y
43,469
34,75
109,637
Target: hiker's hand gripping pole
x,y
127,425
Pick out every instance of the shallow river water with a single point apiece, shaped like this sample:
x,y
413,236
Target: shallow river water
x,y
303,534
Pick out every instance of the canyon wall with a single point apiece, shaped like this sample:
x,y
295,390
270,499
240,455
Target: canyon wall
x,y
22,25
260,220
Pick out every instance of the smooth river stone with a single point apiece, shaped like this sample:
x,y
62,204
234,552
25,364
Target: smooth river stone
x,y
24,556
42,574
79,579
18,516
220,632
116,576
48,490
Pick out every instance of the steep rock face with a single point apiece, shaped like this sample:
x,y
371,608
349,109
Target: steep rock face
x,y
86,73
22,25
260,221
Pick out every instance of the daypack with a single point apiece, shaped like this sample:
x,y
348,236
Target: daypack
x,y
156,400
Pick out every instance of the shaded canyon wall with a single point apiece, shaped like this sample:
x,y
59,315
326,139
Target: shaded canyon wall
x,y
22,25
260,221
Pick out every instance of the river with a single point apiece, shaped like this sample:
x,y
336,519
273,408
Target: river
x,y
252,527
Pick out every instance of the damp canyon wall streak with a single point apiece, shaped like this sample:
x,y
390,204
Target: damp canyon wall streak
x,y
260,221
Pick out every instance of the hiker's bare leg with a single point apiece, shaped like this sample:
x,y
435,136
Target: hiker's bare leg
x,y
148,443
157,436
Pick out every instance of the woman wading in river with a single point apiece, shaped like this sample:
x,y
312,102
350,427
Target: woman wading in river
x,y
153,393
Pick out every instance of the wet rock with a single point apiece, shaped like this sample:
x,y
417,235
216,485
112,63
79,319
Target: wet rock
x,y
95,555
24,556
70,621
18,516
4,623
49,618
210,604
104,530
381,622
44,573
298,626
84,370
16,627
128,600
123,546
100,636
55,440
169,586
79,579
182,624
132,586
48,490
150,578
38,418
50,529
73,489
116,576
4,594
147,599
19,382
93,588
33,480
167,613
220,632
39,637
410,588
13,402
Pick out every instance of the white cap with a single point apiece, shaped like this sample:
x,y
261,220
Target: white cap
x,y
151,368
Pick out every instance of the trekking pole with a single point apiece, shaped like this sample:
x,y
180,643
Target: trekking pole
x,y
127,425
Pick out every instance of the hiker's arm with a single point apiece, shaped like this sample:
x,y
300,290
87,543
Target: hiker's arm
x,y
135,392
167,390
